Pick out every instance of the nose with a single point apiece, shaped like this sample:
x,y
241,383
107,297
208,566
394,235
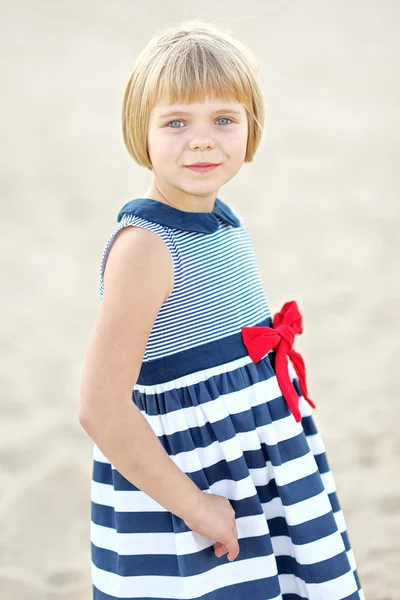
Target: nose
x,y
202,140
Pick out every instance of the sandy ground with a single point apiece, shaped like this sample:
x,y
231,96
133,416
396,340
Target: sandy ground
x,y
320,200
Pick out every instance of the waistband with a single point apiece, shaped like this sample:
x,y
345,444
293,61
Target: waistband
x,y
200,357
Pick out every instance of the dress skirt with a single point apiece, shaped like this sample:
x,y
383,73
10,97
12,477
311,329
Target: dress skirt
x,y
223,420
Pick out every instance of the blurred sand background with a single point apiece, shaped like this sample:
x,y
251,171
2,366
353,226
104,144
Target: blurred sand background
x,y
320,201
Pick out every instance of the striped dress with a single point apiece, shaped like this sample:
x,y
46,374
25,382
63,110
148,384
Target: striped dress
x,y
223,419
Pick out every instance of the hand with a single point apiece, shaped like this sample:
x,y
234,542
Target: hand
x,y
214,518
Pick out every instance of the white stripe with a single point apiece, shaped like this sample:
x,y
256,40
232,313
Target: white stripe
x,y
290,584
344,585
301,512
185,542
337,588
193,378
126,501
295,469
340,522
316,444
327,480
311,553
305,408
200,458
352,561
138,501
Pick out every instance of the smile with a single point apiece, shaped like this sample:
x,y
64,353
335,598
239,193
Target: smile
x,y
202,169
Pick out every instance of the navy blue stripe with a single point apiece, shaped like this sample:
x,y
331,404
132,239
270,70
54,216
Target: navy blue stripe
x,y
354,596
301,489
204,356
160,521
322,462
309,425
304,533
287,450
334,502
356,577
267,492
103,515
319,572
346,541
314,529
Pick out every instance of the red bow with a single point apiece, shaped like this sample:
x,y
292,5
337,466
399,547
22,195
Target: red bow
x,y
260,340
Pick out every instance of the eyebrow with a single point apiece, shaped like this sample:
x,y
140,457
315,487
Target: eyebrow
x,y
185,112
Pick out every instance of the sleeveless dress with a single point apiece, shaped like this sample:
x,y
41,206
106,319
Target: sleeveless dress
x,y
223,418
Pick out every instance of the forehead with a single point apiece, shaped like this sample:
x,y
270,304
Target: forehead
x,y
209,105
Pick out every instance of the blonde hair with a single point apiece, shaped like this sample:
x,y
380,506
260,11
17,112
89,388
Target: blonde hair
x,y
188,63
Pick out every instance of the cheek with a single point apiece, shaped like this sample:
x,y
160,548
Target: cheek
x,y
166,145
237,140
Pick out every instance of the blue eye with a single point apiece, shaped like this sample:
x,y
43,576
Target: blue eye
x,y
223,119
176,121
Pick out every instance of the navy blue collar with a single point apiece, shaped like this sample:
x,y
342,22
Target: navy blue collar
x,y
164,214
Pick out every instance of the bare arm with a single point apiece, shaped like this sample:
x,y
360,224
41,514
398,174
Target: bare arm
x,y
137,280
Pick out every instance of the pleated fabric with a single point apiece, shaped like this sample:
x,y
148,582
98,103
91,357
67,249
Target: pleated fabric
x,y
223,420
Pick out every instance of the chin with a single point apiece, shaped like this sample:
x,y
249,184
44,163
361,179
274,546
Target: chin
x,y
204,189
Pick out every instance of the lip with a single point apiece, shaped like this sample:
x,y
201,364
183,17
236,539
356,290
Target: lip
x,y
202,167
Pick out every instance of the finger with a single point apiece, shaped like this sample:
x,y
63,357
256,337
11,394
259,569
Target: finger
x,y
219,545
233,547
221,551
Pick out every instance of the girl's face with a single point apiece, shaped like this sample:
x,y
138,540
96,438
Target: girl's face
x,y
182,134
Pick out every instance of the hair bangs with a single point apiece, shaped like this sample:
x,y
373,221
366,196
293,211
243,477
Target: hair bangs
x,y
197,74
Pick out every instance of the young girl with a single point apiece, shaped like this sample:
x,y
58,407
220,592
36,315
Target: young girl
x,y
210,479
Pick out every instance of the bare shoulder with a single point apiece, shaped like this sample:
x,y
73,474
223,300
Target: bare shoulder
x,y
139,259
